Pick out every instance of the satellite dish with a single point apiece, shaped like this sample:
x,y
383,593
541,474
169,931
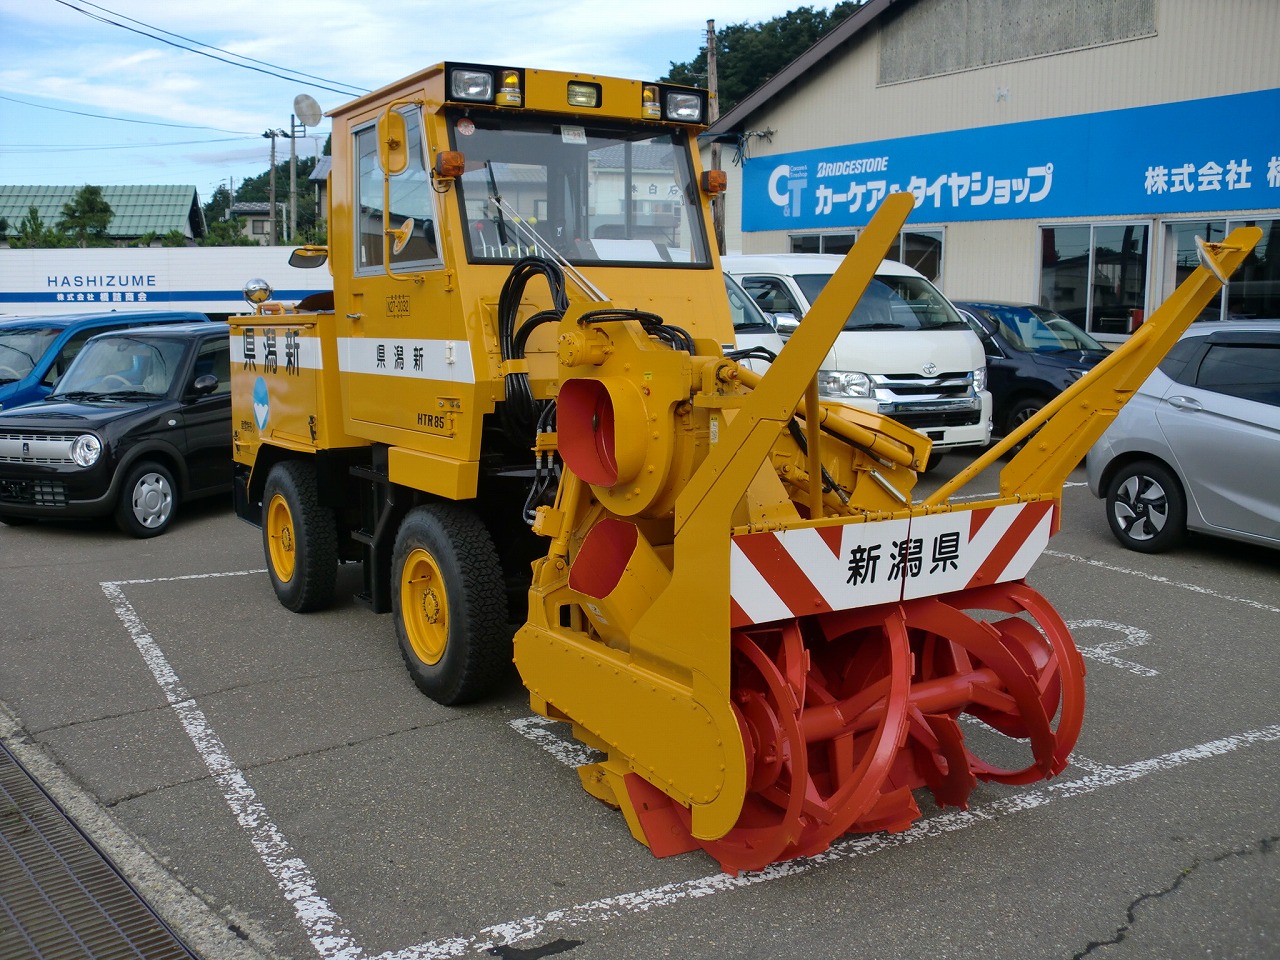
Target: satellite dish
x,y
307,110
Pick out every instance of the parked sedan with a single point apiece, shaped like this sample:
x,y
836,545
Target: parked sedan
x,y
140,423
1198,445
1033,354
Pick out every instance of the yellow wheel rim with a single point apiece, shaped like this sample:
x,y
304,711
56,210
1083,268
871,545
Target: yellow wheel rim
x,y
281,544
424,606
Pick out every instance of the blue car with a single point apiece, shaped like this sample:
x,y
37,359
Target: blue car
x,y
36,351
1033,354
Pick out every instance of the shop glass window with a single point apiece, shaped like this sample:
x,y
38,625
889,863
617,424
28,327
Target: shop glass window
x,y
918,249
1181,258
1254,291
1096,274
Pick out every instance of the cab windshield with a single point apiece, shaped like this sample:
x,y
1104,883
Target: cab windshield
x,y
594,193
21,350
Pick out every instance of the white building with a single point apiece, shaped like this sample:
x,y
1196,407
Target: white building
x,y
1063,152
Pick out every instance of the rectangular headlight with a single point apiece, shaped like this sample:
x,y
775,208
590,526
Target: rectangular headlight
x,y
584,94
466,84
684,107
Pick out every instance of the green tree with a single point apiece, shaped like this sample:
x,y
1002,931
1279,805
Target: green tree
x,y
748,54
226,233
85,219
34,234
4,228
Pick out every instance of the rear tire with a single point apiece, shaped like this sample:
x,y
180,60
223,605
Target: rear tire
x,y
449,604
1146,508
148,501
299,538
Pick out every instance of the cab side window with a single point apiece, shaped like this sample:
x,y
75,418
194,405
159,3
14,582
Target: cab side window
x,y
412,203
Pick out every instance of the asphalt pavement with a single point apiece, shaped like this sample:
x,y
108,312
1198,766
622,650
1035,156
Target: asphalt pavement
x,y
276,786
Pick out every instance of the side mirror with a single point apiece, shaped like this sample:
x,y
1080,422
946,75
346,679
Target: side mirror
x,y
787,323
308,257
393,146
204,384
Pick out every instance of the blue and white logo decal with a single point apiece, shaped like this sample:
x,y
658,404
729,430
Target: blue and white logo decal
x,y
261,403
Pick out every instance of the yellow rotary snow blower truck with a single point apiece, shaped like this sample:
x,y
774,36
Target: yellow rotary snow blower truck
x,y
741,605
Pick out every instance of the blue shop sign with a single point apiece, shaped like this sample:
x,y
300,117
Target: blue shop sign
x,y
1220,153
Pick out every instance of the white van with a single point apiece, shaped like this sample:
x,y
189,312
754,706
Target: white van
x,y
904,351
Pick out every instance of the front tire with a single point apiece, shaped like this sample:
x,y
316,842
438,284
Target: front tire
x,y
1021,412
148,501
449,604
299,538
1146,508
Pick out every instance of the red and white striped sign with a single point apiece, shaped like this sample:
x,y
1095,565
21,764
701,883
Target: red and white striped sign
x,y
791,573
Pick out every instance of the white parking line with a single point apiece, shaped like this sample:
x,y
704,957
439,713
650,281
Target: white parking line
x,y
1156,578
1104,652
331,939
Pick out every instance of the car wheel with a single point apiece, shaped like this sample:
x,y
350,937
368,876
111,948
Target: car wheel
x,y
449,604
299,538
1146,507
1021,412
148,501
933,461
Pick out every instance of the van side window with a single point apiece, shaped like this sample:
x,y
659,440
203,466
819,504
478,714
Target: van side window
x,y
771,295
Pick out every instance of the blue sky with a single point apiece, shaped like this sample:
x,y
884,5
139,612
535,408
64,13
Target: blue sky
x,y
59,65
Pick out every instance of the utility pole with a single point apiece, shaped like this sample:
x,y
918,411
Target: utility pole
x,y
271,201
296,129
717,202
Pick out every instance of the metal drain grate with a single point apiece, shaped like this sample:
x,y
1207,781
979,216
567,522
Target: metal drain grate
x,y
60,898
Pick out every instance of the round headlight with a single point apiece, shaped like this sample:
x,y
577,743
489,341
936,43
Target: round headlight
x,y
839,383
86,449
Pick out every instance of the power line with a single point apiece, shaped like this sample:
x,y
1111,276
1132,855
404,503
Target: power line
x,y
20,148
247,66
101,116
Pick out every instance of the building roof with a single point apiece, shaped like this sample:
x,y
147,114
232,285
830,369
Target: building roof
x,y
792,73
323,166
247,208
138,210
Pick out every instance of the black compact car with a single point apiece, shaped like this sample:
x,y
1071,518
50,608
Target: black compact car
x,y
140,423
1033,354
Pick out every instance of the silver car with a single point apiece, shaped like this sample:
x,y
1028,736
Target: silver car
x,y
1198,445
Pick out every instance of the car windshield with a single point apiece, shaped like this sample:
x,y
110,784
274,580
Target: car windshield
x,y
746,315
1032,329
123,366
21,350
591,192
892,303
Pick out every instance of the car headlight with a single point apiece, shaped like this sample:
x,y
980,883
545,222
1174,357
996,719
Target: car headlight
x,y
86,449
980,379
839,383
